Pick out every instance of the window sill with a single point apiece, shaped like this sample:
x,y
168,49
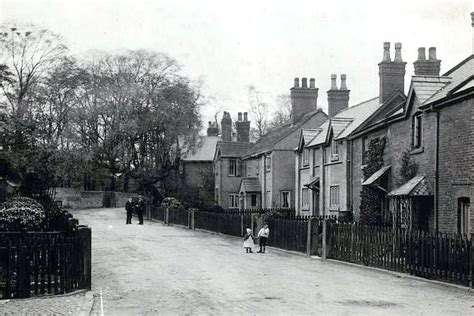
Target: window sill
x,y
333,163
417,151
304,167
334,209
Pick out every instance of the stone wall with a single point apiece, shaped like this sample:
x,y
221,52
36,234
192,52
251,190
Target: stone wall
x,y
72,198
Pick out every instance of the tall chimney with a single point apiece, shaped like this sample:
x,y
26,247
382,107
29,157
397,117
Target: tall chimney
x,y
226,124
243,128
338,99
303,99
427,67
391,73
212,130
239,116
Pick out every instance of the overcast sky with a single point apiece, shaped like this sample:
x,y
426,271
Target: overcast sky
x,y
232,44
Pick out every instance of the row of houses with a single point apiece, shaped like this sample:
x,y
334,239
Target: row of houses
x,y
409,155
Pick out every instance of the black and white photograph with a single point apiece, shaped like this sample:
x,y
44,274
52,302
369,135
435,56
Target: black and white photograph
x,y
179,157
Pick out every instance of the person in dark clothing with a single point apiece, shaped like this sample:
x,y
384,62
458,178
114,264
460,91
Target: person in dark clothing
x,y
129,209
140,207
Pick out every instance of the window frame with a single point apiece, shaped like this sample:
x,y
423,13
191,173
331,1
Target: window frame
x,y
253,195
304,198
464,205
282,194
334,150
417,131
268,163
334,197
232,167
305,159
233,200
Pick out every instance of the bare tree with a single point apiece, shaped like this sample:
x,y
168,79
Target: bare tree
x,y
259,110
282,111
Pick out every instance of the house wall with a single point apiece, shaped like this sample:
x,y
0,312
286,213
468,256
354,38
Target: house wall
x,y
456,161
224,183
282,176
303,175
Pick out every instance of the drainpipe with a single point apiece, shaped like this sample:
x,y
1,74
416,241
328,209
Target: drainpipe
x,y
264,174
322,185
436,191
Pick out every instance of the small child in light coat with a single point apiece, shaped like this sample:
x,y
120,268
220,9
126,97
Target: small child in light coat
x,y
248,241
262,237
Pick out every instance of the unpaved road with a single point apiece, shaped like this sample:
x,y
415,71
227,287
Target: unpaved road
x,y
157,269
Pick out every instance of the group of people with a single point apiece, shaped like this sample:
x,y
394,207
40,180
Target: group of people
x,y
135,205
262,236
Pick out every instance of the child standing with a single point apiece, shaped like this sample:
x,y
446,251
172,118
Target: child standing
x,y
263,236
248,241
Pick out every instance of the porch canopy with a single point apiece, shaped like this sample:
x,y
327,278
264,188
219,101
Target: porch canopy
x,y
250,185
313,183
417,186
375,179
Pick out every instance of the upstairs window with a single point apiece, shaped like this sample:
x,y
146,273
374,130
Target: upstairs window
x,y
268,163
417,131
305,198
234,167
334,150
305,157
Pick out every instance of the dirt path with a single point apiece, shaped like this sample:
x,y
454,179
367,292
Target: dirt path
x,y
161,269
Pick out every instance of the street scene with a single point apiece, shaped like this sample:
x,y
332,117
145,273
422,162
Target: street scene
x,y
178,157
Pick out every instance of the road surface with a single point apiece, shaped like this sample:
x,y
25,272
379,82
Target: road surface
x,y
157,269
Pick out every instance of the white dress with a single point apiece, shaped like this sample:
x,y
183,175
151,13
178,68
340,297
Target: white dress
x,y
248,242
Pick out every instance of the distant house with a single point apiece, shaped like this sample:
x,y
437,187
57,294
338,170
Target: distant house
x,y
228,160
269,165
198,163
434,129
324,154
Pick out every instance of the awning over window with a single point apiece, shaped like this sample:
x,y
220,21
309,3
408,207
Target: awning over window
x,y
250,185
417,186
377,180
313,184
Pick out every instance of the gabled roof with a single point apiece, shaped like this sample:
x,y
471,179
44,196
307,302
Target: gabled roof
x,y
346,121
461,77
376,175
273,137
203,150
306,136
250,185
425,87
232,149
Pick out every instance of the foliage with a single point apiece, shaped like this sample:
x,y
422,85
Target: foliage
x,y
370,212
21,214
171,203
408,168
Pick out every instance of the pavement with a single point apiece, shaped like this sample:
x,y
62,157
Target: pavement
x,y
169,270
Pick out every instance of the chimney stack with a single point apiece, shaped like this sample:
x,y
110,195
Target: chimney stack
x,y
239,116
243,128
303,99
472,25
427,67
338,99
212,130
226,124
391,73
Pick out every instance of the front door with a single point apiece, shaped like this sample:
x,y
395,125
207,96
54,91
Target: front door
x,y
315,211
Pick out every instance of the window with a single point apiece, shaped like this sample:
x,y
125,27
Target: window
x,y
417,131
316,160
258,167
463,215
334,196
233,200
334,150
249,168
285,199
305,198
253,200
234,167
268,163
305,157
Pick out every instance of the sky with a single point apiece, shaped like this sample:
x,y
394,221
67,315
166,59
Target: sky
x,y
229,45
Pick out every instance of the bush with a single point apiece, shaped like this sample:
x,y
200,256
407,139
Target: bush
x,y
21,214
172,203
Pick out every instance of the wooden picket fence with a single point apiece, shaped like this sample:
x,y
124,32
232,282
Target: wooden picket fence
x,y
440,256
41,263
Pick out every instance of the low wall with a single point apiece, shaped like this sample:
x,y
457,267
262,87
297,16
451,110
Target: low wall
x,y
72,198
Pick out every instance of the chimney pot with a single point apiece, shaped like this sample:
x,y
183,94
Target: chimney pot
x,y
297,83
245,117
333,82
398,52
311,83
386,52
343,82
304,83
421,53
210,124
472,19
432,53
239,116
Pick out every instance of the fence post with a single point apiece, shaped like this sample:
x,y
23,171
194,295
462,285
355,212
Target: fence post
x,y
242,225
308,238
189,219
323,255
85,235
471,258
167,216
193,223
252,221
